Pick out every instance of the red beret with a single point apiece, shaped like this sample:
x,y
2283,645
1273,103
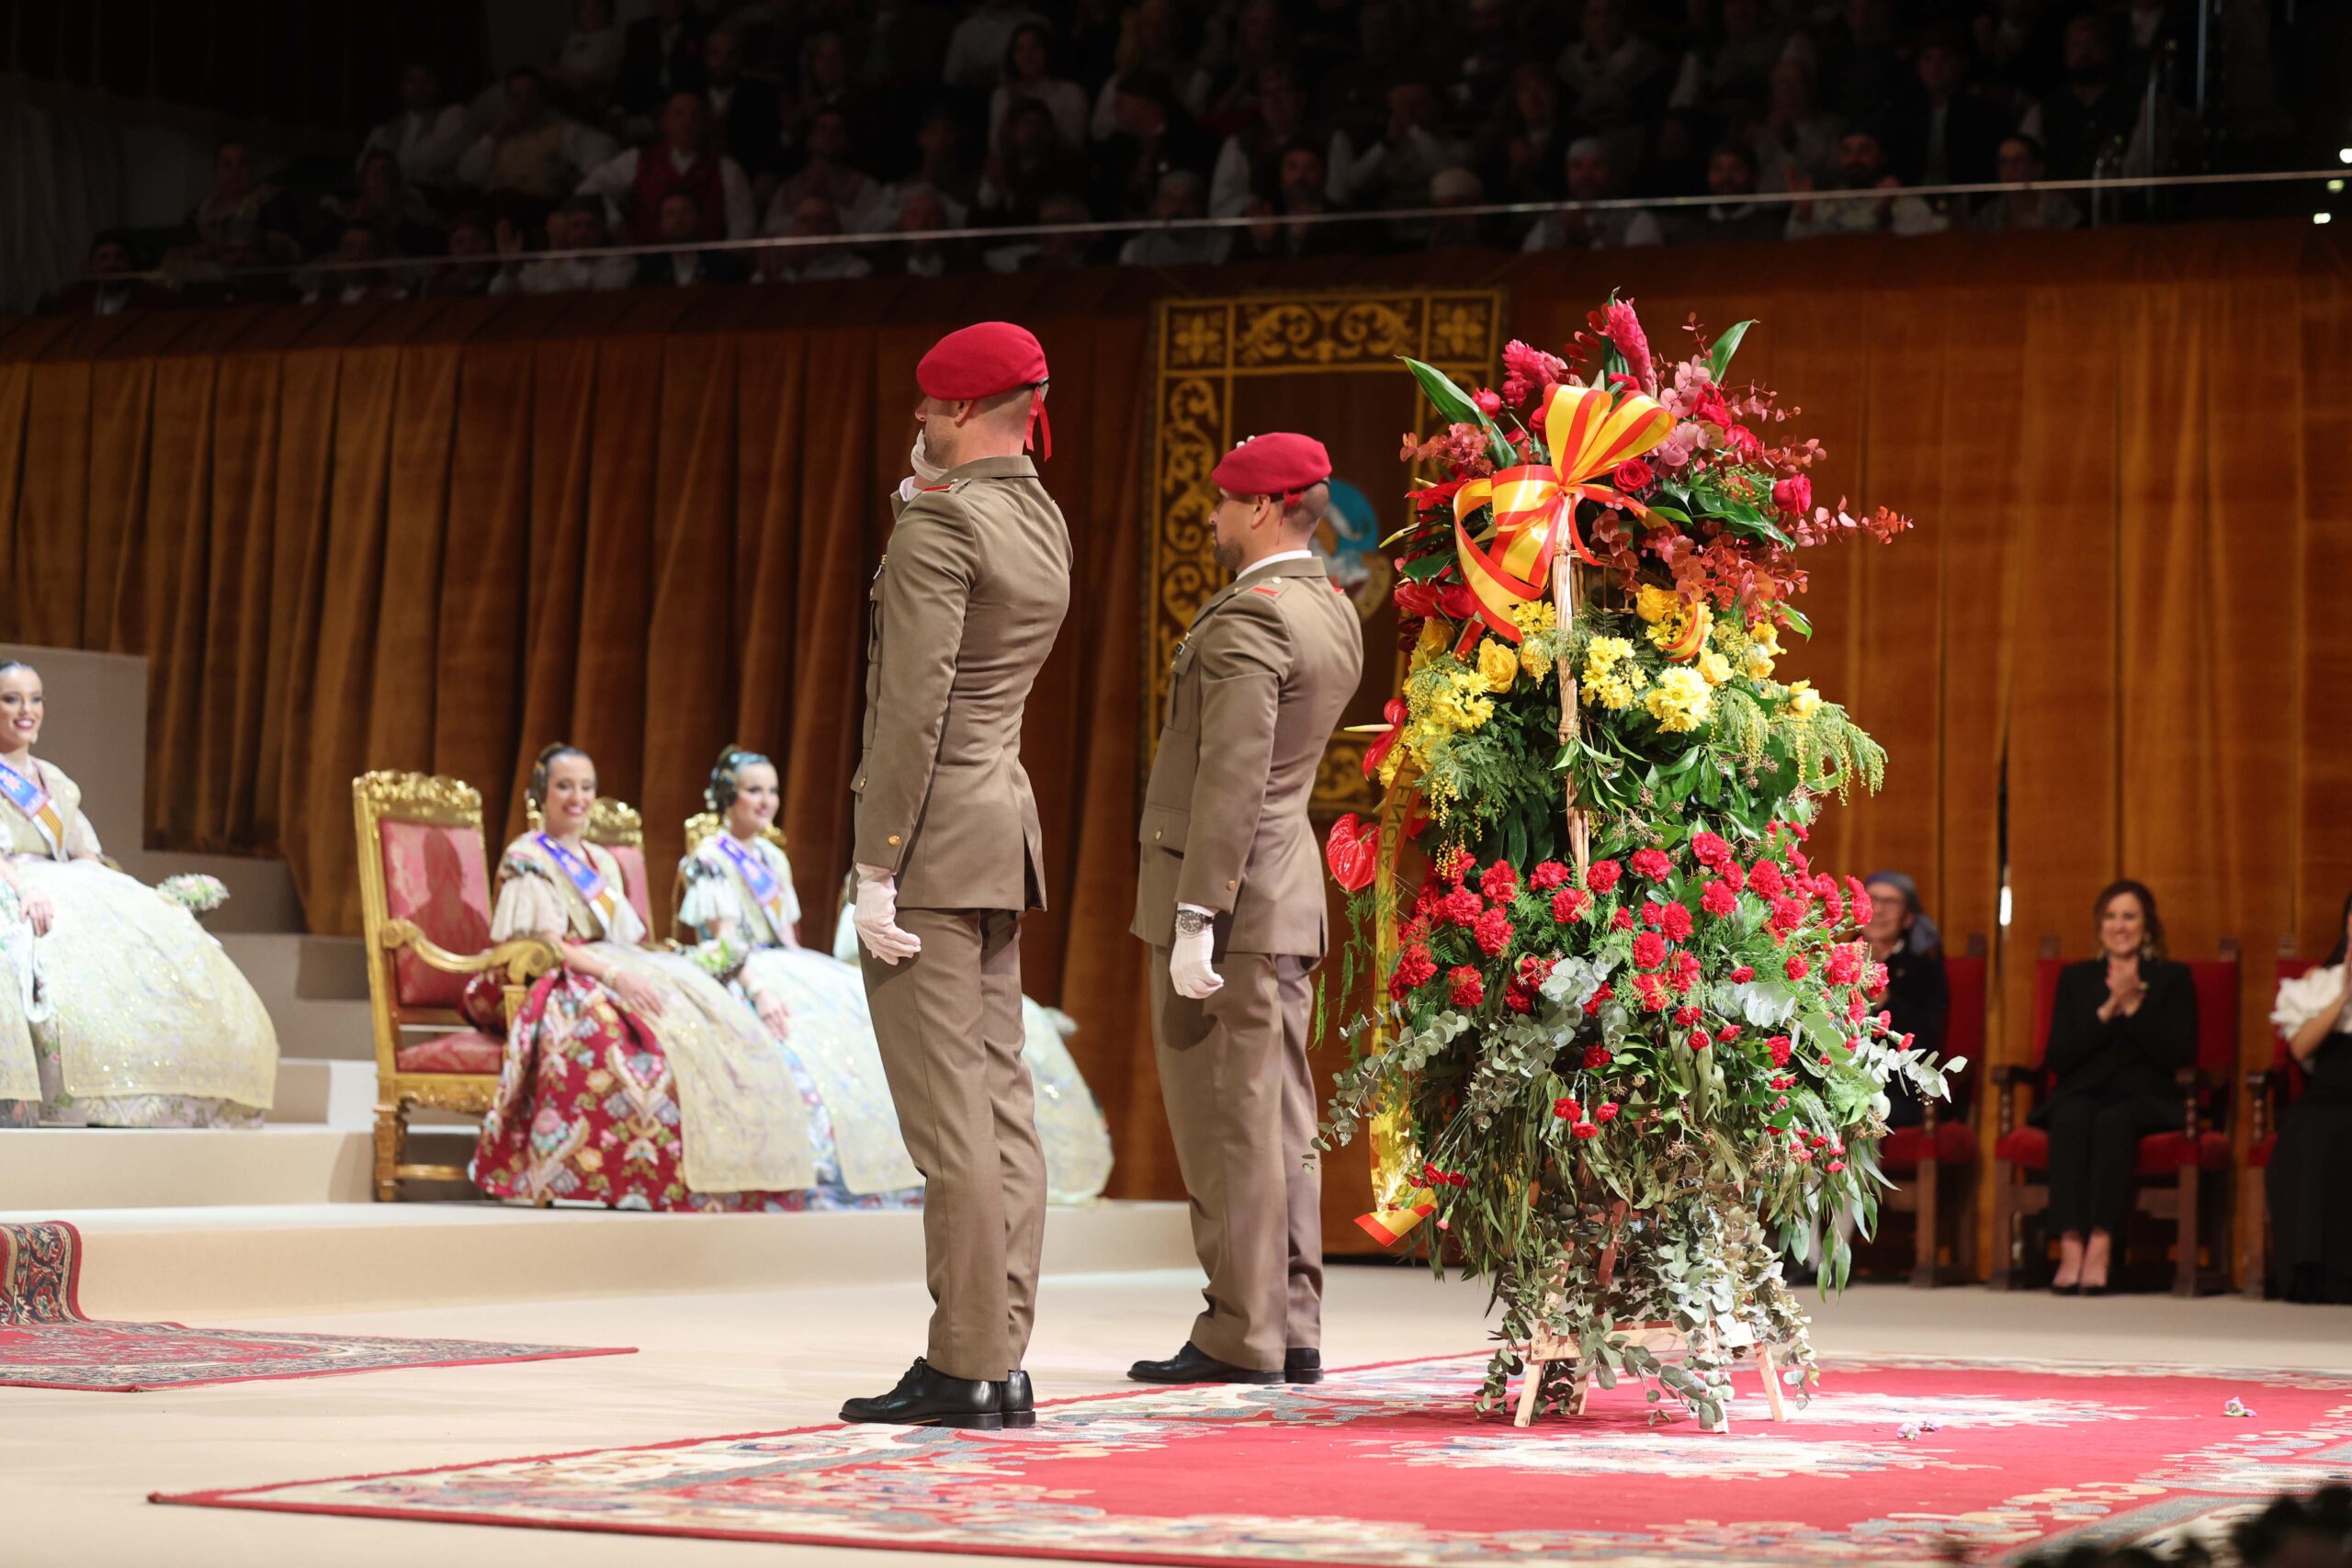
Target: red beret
x,y
1281,464
983,360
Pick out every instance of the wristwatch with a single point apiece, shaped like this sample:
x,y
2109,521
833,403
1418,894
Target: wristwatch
x,y
1193,923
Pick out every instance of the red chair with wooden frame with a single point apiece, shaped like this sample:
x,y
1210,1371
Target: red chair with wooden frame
x,y
1939,1156
2268,1091
425,912
2181,1175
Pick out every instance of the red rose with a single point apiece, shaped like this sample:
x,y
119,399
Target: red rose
x,y
1456,602
1765,880
1651,863
1499,883
1781,1051
1602,875
1567,1110
1469,985
1490,404
1493,931
1678,921
1798,968
1568,905
1741,976
1649,950
1718,899
1547,875
1793,496
1710,409
1634,475
1622,920
1605,1111
1595,1057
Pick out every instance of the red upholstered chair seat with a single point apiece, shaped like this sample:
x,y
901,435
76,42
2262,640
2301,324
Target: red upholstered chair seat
x,y
2161,1153
1955,1145
462,1051
633,880
434,877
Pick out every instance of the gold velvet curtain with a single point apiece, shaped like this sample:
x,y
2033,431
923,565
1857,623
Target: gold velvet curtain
x,y
437,535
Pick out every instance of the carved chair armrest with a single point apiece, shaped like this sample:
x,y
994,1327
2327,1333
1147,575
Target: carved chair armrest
x,y
2262,1088
524,958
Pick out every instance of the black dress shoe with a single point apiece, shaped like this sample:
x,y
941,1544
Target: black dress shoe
x,y
925,1398
1303,1366
1020,1404
1192,1364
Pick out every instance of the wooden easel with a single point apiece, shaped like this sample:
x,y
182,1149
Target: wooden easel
x,y
1661,1339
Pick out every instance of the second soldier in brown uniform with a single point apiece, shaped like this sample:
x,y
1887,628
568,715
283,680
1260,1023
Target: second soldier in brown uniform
x,y
1230,896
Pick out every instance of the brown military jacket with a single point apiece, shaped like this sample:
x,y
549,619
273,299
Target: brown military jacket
x,y
964,611
1257,687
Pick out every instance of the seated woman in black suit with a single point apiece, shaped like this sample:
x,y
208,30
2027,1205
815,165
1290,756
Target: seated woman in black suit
x,y
2124,1024
1918,998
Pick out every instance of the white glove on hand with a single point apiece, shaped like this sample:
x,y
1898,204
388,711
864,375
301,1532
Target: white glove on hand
x,y
1187,967
877,916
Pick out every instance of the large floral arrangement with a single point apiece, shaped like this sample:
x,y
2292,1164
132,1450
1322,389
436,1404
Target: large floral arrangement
x,y
1626,1046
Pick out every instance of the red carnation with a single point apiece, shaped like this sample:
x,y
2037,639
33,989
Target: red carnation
x,y
1793,496
1845,966
1622,920
1493,931
1652,915
1765,881
1455,863
1463,906
1718,899
1602,875
1592,1009
1726,1034
1569,904
1653,989
1835,1166
1649,950
1605,1111
1684,971
1741,976
1567,1110
1735,878
1534,970
1685,1017
1585,1130
1795,857
1469,985
1500,882
1798,968
1651,863
1518,997
1595,1057
1710,851
1678,921
1855,1007
1415,965
1634,473
1547,875
1700,1040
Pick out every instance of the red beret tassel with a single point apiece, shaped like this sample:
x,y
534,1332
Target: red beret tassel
x,y
1041,429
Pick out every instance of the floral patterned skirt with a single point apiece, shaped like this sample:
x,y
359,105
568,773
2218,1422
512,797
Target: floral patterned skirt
x,y
598,1121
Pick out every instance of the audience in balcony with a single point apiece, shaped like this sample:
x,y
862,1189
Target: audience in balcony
x,y
1182,195
1004,107
1918,998
679,221
577,225
2311,1169
2124,1025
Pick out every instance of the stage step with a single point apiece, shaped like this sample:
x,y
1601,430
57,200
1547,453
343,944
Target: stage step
x,y
325,1093
284,1261
72,1168
315,989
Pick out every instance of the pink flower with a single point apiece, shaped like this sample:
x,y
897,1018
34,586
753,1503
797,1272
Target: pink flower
x,y
1530,370
1623,328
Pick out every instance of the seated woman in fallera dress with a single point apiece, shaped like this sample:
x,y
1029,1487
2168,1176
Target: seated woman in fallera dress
x,y
119,1009
738,887
632,1080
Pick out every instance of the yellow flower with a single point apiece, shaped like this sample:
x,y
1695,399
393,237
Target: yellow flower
x,y
1534,617
1804,701
1433,641
1766,636
1713,668
1678,701
1654,604
1604,651
1535,659
1758,665
1497,665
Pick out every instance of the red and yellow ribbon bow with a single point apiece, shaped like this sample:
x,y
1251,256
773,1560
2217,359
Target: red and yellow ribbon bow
x,y
1590,432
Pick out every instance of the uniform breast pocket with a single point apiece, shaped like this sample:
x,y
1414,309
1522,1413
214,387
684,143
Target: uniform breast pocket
x,y
1183,694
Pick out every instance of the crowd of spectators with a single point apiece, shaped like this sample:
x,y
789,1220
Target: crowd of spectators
x,y
809,119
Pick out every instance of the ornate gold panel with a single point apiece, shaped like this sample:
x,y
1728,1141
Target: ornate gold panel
x,y
1204,347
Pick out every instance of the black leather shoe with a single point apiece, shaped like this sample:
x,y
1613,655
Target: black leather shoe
x,y
1020,1404
925,1398
1303,1366
1192,1364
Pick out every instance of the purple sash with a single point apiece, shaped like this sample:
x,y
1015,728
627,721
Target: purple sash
x,y
585,879
753,867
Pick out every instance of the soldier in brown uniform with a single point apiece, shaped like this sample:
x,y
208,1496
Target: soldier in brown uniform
x,y
1231,900
949,854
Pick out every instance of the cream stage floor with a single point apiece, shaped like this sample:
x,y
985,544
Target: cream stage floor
x,y
75,1468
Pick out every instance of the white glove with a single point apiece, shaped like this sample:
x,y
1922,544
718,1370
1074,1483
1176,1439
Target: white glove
x,y
877,916
1188,966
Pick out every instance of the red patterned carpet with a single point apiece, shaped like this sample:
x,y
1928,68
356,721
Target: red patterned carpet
x,y
46,1342
1400,1473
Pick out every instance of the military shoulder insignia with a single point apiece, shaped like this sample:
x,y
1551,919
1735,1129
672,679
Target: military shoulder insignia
x,y
1271,590
934,490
